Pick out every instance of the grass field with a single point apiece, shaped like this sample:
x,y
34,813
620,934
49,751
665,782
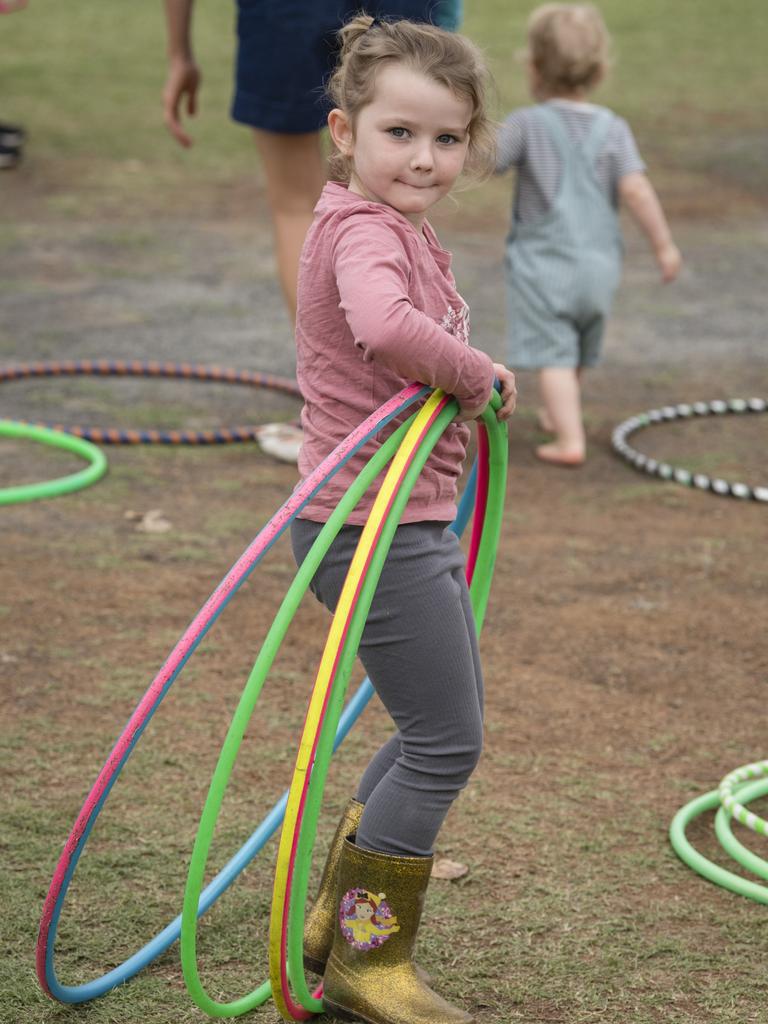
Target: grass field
x,y
625,645
86,78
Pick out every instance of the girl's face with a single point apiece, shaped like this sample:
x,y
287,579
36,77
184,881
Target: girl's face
x,y
408,145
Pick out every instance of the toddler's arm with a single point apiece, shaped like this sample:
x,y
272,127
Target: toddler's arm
x,y
510,142
640,197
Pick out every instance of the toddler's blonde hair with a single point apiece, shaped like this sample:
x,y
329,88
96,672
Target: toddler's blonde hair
x,y
368,45
568,46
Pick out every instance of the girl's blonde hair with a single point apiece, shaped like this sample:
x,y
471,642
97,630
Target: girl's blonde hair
x,y
368,45
568,46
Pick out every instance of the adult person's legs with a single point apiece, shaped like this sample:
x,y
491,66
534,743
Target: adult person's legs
x,y
295,169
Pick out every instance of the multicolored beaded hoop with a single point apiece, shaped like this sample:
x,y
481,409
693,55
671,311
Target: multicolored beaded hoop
x,y
677,474
135,368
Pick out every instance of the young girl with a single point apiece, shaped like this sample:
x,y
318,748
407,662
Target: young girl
x,y
576,162
377,308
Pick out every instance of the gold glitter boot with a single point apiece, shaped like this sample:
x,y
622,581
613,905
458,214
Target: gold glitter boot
x,y
318,927
370,975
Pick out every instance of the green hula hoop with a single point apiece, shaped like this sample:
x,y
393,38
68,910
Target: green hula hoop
x,y
63,484
479,594
238,726
731,844
336,699
755,770
252,691
707,868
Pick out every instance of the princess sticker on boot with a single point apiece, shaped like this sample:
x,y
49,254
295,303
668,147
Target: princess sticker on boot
x,y
366,919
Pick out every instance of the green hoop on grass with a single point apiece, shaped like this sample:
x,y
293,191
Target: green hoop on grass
x,y
63,484
707,868
755,770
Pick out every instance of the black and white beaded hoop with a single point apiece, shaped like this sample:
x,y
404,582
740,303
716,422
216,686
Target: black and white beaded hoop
x,y
677,474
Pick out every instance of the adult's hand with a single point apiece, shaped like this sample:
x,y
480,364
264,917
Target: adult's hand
x,y
180,94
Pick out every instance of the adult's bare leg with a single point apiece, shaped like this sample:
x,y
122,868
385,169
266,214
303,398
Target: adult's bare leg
x,y
295,169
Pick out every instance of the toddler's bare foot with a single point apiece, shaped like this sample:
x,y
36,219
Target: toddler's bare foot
x,y
559,455
545,421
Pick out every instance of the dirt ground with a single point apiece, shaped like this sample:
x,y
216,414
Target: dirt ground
x,y
624,647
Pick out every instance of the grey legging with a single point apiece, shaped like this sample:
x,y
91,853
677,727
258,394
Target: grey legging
x,y
419,648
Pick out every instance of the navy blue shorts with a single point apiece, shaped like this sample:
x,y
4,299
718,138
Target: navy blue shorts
x,y
287,50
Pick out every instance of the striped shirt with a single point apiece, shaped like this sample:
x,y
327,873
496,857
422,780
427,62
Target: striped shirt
x,y
525,144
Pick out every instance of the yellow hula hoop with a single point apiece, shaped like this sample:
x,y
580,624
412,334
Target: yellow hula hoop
x,y
324,681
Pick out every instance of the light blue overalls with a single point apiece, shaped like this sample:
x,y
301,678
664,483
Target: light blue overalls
x,y
563,268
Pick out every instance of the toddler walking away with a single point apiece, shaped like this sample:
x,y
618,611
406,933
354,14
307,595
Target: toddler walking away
x,y
378,308
576,164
